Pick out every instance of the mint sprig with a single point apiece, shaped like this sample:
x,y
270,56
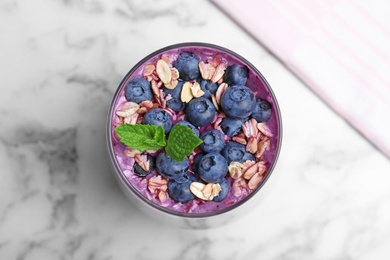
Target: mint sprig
x,y
181,140
141,137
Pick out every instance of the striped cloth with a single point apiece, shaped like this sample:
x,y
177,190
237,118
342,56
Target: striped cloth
x,y
339,48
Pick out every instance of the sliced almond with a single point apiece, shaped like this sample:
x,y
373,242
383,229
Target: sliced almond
x,y
148,70
239,186
215,103
142,161
239,139
262,146
195,90
264,129
235,169
204,72
216,190
127,109
255,181
196,189
155,89
186,93
172,84
174,73
163,71
157,183
205,191
252,145
250,172
221,89
219,71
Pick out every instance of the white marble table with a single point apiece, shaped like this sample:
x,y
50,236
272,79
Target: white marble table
x,y
60,63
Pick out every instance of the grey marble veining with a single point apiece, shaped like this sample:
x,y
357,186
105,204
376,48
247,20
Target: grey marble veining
x,y
60,64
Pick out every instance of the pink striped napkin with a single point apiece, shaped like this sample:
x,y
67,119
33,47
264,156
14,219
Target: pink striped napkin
x,y
339,48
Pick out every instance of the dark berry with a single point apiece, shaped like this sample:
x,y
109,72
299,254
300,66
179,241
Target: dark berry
x,y
231,126
238,101
262,112
187,65
213,141
137,90
212,167
180,191
175,102
200,111
208,87
169,168
159,117
236,75
224,183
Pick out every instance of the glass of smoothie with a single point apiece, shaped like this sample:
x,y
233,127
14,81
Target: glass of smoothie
x,y
193,133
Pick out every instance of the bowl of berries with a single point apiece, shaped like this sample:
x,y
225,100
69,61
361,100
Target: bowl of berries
x,y
193,133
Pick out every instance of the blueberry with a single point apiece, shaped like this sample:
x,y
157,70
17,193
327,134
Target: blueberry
x,y
137,90
236,75
262,112
234,151
175,102
187,65
213,141
200,111
224,183
180,191
231,126
159,117
208,87
238,101
169,168
141,172
189,125
195,163
212,167
248,156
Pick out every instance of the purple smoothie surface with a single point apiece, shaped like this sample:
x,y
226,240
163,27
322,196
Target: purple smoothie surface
x,y
196,206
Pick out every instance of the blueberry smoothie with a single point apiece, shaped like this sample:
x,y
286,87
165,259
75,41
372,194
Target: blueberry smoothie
x,y
194,129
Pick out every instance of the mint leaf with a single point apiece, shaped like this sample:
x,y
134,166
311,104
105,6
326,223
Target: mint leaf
x,y
181,142
141,137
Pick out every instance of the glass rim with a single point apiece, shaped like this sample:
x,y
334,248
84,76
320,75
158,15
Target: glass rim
x,y
117,168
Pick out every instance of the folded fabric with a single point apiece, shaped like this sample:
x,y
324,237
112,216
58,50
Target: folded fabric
x,y
339,48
